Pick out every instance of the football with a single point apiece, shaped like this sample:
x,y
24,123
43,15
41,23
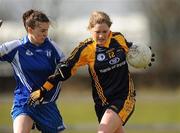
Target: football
x,y
139,55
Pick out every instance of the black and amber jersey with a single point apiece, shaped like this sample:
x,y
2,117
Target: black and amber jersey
x,y
107,67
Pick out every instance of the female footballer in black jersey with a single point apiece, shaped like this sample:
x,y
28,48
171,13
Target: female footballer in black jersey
x,y
112,87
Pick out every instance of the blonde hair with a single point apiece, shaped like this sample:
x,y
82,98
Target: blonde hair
x,y
98,17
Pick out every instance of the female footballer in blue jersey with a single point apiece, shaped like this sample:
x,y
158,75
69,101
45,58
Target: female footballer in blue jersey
x,y
112,87
34,59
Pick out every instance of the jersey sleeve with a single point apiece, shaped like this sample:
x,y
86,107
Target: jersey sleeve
x,y
122,41
65,69
7,50
78,57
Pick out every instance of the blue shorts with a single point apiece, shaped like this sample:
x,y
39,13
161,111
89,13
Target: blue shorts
x,y
46,116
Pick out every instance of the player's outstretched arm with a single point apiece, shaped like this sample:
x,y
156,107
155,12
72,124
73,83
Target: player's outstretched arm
x,y
61,73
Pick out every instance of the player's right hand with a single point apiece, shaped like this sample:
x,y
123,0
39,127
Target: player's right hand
x,y
36,97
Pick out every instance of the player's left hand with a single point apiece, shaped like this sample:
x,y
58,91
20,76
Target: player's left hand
x,y
36,97
152,57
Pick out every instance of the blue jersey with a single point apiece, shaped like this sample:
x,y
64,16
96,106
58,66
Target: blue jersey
x,y
32,65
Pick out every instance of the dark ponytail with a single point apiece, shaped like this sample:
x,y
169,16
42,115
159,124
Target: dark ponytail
x,y
31,17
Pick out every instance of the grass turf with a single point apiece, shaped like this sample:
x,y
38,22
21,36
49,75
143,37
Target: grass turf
x,y
156,111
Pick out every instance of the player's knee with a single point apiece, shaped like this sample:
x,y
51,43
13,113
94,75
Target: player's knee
x,y
100,131
103,129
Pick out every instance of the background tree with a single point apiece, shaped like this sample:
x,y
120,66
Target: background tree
x,y
164,20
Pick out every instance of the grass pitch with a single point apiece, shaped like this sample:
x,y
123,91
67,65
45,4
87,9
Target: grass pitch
x,y
156,111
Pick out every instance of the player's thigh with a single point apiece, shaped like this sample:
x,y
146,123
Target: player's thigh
x,y
110,122
22,124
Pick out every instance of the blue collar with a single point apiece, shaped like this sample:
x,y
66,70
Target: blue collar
x,y
26,40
